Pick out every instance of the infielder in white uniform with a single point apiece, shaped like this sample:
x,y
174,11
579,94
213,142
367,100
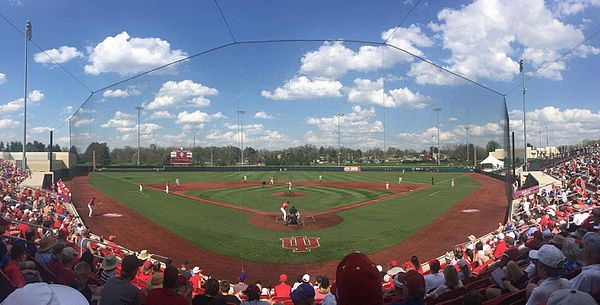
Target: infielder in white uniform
x,y
245,178
387,185
283,210
141,186
320,178
167,188
452,182
177,182
272,181
399,180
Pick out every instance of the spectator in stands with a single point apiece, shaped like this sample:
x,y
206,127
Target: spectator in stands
x,y
12,270
410,288
304,294
571,297
434,278
451,282
283,289
472,297
109,263
4,258
197,280
144,274
325,293
465,270
168,294
224,298
589,278
55,264
82,277
394,268
119,290
572,252
357,281
549,266
30,246
252,293
514,280
44,251
43,293
184,268
66,275
240,286
211,290
414,260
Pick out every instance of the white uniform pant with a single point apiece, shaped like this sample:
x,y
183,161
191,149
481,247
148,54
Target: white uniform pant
x,y
141,188
167,189
284,214
91,208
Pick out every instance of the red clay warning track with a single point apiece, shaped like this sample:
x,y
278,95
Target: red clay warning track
x,y
136,232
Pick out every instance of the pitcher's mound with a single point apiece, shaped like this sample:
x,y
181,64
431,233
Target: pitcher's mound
x,y
285,194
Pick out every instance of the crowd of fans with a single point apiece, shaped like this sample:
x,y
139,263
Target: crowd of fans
x,y
548,253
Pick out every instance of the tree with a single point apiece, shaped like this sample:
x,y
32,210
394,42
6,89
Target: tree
x,y
102,154
492,145
1,146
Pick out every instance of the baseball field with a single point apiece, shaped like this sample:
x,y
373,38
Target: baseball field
x,y
240,222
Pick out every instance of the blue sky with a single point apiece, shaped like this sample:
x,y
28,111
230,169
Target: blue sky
x,y
291,91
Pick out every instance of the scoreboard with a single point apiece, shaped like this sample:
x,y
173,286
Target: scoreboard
x,y
181,157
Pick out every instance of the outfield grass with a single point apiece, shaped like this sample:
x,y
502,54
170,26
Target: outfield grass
x,y
315,199
369,228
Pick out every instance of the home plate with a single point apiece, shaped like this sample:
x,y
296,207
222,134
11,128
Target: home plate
x,y
470,211
112,215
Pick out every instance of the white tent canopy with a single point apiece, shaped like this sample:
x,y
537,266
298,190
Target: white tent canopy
x,y
495,163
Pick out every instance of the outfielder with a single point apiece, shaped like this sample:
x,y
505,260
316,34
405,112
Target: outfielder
x,y
245,178
141,186
399,180
283,209
320,178
387,185
452,182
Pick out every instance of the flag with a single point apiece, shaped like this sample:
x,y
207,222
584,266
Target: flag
x,y
28,30
521,65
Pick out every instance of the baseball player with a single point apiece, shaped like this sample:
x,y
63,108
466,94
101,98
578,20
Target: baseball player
x,y
272,181
91,205
141,186
387,185
320,178
177,182
432,181
245,178
399,180
167,187
452,182
290,187
283,209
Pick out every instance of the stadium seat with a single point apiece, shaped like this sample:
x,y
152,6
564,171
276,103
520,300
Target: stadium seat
x,y
481,283
449,295
456,301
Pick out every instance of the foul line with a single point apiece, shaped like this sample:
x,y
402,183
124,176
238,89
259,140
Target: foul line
x,y
433,193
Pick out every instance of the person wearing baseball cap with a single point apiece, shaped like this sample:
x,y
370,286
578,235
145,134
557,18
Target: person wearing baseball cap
x,y
304,293
571,297
168,293
283,289
434,278
549,262
410,287
357,281
119,290
589,278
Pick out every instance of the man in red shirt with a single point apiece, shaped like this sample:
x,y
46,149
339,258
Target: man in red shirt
x,y
168,294
144,274
283,210
12,270
283,289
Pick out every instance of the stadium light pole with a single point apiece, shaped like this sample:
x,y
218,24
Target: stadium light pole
x,y
547,141
241,131
467,159
524,114
437,113
27,39
139,112
338,115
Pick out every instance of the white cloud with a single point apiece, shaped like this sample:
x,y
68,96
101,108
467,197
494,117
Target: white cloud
x,y
478,135
254,134
120,92
161,115
40,129
119,120
34,96
485,36
572,7
197,117
2,78
373,92
61,55
452,119
6,123
83,122
128,55
181,93
333,59
263,115
302,87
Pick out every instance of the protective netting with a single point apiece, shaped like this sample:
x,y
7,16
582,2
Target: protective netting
x,y
244,95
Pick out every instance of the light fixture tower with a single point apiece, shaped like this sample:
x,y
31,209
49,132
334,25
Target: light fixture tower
x,y
437,113
467,159
337,116
524,114
241,132
27,39
139,113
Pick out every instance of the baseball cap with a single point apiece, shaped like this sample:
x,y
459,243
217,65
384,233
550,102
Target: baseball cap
x,y
393,263
196,270
304,291
283,277
147,264
412,280
131,263
357,281
242,277
570,297
47,294
549,255
306,278
591,240
512,253
434,263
